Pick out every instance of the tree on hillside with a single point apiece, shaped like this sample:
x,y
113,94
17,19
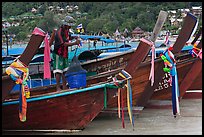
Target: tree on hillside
x,y
49,22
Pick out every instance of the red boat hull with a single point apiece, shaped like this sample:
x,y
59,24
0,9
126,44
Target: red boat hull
x,y
70,112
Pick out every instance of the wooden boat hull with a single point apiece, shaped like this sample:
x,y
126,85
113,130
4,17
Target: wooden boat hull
x,y
33,45
197,84
74,111
189,73
163,92
66,110
189,25
141,78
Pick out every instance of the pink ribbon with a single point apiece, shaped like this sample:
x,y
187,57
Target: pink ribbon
x,y
38,31
151,76
47,59
200,54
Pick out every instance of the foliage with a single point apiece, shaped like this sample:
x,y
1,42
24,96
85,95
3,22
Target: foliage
x,y
21,36
49,22
100,16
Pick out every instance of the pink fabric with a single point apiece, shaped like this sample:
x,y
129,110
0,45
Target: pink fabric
x,y
200,54
151,76
38,31
47,59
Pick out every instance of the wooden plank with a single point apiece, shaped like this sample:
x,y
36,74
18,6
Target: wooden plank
x,y
141,52
145,45
184,35
193,73
159,24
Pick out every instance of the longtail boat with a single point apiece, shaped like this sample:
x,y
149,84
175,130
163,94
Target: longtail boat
x,y
33,45
130,66
70,109
66,110
189,25
194,81
117,60
191,76
140,76
141,85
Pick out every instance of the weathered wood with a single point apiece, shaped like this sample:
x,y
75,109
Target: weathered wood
x,y
31,49
197,83
158,26
184,35
163,91
71,111
191,75
139,56
141,78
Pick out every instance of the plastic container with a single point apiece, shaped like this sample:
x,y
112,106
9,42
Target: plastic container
x,y
76,79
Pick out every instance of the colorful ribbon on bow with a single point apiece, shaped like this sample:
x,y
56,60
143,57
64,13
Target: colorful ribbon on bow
x,y
170,67
196,52
151,76
19,73
126,77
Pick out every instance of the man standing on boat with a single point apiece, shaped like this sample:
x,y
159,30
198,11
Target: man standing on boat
x,y
60,52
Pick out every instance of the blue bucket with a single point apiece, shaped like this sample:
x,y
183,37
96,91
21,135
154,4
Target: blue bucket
x,y
76,79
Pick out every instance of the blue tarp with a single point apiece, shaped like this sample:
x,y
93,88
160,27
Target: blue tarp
x,y
108,40
101,38
86,37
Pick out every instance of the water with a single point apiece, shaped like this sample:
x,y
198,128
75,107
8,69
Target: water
x,y
17,49
13,50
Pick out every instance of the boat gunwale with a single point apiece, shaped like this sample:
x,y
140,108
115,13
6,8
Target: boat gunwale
x,y
58,94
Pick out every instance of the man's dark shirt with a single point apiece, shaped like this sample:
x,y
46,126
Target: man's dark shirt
x,y
61,37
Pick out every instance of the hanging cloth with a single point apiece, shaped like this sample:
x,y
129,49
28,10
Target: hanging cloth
x,y
196,52
127,78
47,58
170,67
151,76
19,73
